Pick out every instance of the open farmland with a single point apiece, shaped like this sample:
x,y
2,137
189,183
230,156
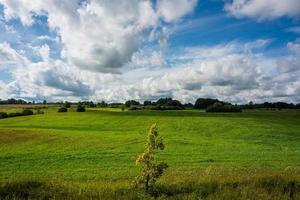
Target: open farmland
x,y
92,154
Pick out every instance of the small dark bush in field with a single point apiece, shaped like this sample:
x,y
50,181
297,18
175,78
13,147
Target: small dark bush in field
x,y
14,114
219,107
27,112
80,108
62,109
151,170
3,115
134,108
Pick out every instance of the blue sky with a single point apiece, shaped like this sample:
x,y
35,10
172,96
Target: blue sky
x,y
234,50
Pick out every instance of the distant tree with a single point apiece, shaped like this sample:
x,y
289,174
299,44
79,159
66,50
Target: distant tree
x,y
203,103
80,108
131,103
44,102
92,104
102,104
62,109
27,112
163,101
172,102
151,169
67,104
221,107
147,103
188,105
3,115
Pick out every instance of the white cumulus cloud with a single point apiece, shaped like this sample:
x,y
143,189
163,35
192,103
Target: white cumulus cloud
x,y
264,9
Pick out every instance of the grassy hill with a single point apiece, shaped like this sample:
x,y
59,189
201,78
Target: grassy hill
x,y
93,153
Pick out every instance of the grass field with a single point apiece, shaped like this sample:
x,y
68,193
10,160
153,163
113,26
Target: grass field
x,y
253,154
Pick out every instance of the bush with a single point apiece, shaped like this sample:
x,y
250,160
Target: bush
x,y
3,115
62,109
131,103
67,104
219,107
80,108
14,114
203,103
134,108
27,112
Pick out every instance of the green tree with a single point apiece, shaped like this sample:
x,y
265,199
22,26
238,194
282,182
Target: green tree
x,y
151,169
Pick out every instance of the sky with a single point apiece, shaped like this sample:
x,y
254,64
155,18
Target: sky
x,y
114,50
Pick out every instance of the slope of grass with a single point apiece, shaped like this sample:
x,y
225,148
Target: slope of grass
x,y
100,146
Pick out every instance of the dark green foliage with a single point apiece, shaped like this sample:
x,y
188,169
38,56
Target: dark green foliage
x,y
3,115
17,114
135,108
102,104
62,109
203,103
92,105
27,112
163,101
220,107
13,101
158,107
115,105
80,108
67,104
44,102
188,105
271,105
131,103
167,104
147,103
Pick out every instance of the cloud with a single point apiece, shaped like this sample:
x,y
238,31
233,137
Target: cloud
x,y
264,9
236,72
102,35
173,10
295,29
42,79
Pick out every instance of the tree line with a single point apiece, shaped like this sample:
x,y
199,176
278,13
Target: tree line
x,y
163,104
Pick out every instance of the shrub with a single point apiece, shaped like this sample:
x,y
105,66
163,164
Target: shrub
x,y
67,104
3,115
27,112
134,108
151,170
14,114
219,107
203,103
131,103
80,108
62,109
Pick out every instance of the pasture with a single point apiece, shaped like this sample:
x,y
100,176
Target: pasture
x,y
254,154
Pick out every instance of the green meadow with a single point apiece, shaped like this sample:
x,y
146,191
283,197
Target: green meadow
x,y
91,155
